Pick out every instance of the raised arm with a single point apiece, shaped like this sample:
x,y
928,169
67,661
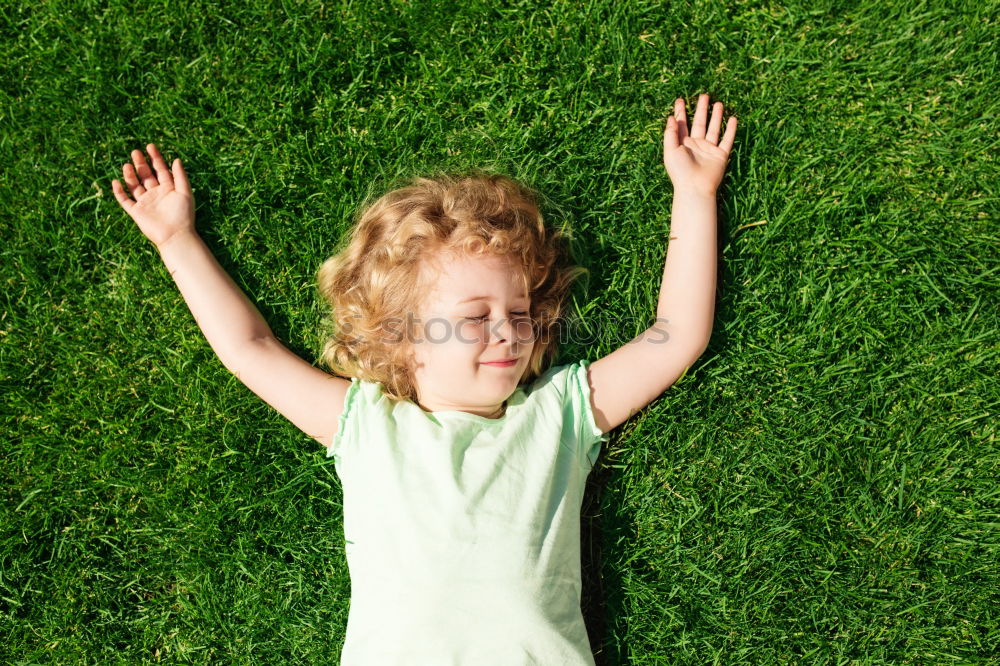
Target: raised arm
x,y
163,209
635,374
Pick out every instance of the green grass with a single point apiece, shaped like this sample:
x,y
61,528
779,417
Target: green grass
x,y
821,488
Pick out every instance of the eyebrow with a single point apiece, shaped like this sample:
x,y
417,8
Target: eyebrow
x,y
486,298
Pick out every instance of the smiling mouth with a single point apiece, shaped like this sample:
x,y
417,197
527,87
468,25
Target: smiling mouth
x,y
501,364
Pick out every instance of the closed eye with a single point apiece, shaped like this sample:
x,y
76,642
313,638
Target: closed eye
x,y
486,316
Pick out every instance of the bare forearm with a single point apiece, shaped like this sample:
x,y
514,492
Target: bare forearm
x,y
223,312
687,291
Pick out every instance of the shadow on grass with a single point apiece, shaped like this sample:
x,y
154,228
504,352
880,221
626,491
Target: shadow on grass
x,y
600,594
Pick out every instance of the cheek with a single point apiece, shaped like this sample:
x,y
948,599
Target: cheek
x,y
524,331
469,332
435,333
442,345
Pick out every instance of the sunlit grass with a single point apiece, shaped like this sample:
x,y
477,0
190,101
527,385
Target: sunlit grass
x,y
820,488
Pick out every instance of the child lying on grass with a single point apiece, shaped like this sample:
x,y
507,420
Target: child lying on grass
x,y
462,456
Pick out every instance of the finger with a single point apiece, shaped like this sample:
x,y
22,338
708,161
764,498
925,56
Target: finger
x,y
181,182
162,172
146,176
123,199
715,123
134,186
729,136
700,117
670,140
680,114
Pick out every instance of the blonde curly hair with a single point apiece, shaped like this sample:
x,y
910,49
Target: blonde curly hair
x,y
376,276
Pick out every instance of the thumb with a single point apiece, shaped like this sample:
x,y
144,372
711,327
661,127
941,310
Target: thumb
x,y
670,138
181,183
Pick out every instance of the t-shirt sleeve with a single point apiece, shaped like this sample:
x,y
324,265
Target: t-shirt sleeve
x,y
347,423
577,402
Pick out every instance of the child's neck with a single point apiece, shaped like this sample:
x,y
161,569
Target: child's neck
x,y
497,413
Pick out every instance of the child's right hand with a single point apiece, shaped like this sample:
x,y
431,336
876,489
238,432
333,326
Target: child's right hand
x,y
164,204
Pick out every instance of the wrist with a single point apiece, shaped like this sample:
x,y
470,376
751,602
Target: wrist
x,y
177,238
695,194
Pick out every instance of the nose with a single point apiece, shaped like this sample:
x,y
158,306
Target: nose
x,y
517,331
507,331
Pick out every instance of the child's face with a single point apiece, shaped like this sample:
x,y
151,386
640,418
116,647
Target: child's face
x,y
453,344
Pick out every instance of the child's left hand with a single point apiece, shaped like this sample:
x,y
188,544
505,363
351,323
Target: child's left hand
x,y
696,162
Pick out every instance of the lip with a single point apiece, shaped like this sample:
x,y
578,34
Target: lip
x,y
502,364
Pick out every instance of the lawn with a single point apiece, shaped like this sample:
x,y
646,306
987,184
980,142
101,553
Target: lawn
x,y
820,488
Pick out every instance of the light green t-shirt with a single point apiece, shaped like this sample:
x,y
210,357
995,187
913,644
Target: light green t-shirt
x,y
462,532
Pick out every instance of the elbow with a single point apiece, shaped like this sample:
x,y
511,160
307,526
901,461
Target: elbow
x,y
683,338
237,357
698,348
700,339
697,353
